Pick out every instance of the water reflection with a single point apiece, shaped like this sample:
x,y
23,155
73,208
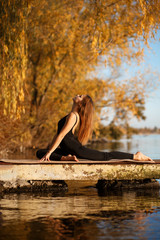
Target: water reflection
x,y
79,214
83,205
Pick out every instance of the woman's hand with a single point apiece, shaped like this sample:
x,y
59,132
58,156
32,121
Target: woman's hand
x,y
46,157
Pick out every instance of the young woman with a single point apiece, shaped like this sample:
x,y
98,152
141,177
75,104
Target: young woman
x,y
71,147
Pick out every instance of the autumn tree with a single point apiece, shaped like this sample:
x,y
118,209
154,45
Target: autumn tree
x,y
13,54
53,48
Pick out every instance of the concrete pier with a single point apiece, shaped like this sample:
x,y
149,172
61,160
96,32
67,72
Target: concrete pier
x,y
25,170
15,174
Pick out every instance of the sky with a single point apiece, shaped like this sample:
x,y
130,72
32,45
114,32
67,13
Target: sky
x,y
152,62
152,106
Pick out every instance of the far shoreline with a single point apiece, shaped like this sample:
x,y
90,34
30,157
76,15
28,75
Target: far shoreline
x,y
124,137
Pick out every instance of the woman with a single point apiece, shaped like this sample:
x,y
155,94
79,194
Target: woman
x,y
72,147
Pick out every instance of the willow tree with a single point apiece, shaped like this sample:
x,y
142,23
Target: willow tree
x,y
64,41
13,65
13,54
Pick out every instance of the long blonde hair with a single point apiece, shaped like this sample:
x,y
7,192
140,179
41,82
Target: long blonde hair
x,y
85,111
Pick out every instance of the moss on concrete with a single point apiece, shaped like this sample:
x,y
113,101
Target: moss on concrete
x,y
32,186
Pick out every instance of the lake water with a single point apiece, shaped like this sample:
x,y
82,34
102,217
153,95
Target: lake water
x,y
82,213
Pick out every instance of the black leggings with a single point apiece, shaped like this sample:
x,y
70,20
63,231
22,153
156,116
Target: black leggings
x,y
85,153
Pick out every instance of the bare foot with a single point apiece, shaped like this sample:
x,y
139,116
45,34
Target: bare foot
x,y
69,157
141,157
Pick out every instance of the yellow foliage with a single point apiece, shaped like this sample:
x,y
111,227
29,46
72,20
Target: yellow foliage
x,y
50,47
13,58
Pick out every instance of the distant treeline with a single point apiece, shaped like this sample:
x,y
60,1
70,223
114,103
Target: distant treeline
x,y
147,130
113,131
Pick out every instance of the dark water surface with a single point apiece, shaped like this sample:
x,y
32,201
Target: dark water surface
x,y
82,212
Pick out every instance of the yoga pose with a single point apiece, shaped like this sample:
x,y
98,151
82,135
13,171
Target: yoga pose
x,y
66,146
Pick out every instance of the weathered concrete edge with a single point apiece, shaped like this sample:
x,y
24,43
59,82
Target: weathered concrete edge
x,y
81,161
79,172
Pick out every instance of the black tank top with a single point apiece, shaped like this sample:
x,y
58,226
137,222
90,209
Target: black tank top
x,y
70,142
62,122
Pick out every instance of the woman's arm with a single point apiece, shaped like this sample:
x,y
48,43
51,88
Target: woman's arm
x,y
53,140
70,121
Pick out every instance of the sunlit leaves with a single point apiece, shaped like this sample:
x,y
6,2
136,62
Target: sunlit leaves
x,y
48,48
13,55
